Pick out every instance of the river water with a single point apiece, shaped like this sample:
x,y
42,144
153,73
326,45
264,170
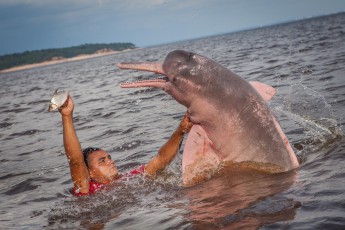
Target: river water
x,y
303,60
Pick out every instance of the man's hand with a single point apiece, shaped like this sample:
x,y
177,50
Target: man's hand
x,y
67,108
185,124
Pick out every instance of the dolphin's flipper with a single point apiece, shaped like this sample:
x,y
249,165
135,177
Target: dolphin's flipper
x,y
200,160
265,91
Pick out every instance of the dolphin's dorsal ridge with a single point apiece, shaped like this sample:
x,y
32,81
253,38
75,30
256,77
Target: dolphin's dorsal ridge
x,y
265,91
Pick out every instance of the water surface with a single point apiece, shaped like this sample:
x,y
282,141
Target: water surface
x,y
304,61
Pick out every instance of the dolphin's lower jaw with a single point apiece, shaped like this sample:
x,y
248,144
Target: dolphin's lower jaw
x,y
156,83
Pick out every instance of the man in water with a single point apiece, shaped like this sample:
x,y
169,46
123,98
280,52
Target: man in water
x,y
93,168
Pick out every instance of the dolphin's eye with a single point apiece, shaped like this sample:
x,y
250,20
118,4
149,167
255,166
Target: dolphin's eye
x,y
177,65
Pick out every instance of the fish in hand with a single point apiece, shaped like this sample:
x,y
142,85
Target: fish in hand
x,y
59,98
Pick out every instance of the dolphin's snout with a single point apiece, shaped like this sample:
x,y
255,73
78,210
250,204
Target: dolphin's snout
x,y
144,66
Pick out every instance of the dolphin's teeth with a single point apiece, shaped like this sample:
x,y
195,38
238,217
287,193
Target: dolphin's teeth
x,y
147,80
157,82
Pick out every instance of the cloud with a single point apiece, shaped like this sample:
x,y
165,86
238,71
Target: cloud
x,y
81,2
50,23
79,7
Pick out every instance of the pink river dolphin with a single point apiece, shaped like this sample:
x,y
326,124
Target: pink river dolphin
x,y
233,125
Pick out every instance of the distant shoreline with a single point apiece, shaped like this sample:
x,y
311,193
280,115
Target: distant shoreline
x,y
59,61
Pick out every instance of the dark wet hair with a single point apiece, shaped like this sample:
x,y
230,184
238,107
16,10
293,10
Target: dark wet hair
x,y
87,152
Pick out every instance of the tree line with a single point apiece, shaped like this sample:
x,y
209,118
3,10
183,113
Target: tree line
x,y
36,56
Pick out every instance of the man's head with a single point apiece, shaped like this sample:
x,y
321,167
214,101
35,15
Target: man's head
x,y
101,167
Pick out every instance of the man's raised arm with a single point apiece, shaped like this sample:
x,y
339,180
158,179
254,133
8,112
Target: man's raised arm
x,y
74,154
169,150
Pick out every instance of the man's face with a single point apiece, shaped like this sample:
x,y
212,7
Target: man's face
x,y
101,167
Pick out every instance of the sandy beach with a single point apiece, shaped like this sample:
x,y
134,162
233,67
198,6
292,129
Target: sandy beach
x,y
58,61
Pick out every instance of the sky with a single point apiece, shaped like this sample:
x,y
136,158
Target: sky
x,y
27,25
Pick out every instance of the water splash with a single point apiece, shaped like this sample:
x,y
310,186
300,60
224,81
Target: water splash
x,y
310,110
